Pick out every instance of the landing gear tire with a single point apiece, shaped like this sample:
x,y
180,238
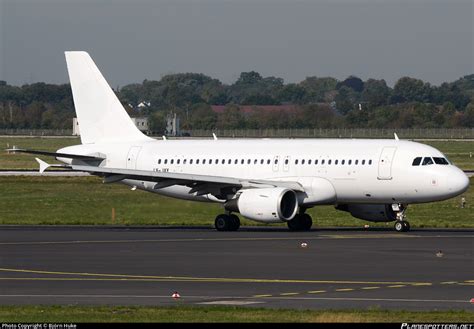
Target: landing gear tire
x,y
402,226
235,222
301,222
225,222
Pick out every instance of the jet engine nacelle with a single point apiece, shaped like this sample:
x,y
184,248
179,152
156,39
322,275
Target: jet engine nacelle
x,y
269,205
370,212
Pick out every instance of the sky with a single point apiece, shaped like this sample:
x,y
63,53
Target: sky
x,y
135,40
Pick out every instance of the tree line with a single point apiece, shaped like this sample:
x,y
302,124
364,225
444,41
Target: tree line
x,y
318,102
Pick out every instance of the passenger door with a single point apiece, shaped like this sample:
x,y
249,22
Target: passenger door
x,y
132,157
385,162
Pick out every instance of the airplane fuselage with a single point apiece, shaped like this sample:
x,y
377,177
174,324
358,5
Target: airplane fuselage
x,y
332,171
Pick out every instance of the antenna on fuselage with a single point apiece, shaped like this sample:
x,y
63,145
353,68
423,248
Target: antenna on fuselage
x,y
164,137
214,135
396,136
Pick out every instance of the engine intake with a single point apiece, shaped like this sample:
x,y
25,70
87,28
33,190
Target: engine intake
x,y
269,205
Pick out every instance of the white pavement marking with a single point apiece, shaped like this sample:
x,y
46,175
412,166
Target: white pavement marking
x,y
231,302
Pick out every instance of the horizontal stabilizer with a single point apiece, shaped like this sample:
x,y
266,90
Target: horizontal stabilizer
x,y
44,165
59,155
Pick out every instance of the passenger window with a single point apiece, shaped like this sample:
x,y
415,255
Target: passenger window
x,y
159,161
166,161
177,161
276,161
357,162
329,162
316,161
248,161
296,162
203,161
416,161
309,161
370,162
349,162
440,161
261,161
363,162
190,161
343,161
229,161
322,161
427,161
268,161
197,161
223,161
236,161
336,161
242,161
286,161
302,161
172,161
255,161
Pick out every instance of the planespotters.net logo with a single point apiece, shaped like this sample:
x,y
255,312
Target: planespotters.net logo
x,y
437,326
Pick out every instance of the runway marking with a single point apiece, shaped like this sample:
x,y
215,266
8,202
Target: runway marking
x,y
370,288
321,237
469,281
316,291
241,297
202,279
421,284
230,302
345,289
261,296
397,286
289,293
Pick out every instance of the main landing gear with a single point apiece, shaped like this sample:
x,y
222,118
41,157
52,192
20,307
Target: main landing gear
x,y
401,224
301,222
227,222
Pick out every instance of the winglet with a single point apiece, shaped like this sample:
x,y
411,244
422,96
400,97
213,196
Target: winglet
x,y
396,136
43,165
214,135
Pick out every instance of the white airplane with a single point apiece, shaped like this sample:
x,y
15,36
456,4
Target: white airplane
x,y
270,181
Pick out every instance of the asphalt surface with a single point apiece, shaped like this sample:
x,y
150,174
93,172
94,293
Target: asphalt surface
x,y
338,269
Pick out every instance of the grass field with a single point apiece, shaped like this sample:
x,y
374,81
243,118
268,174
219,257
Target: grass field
x,y
77,314
85,200
459,152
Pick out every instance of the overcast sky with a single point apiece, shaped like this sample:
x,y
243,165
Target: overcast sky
x,y
135,40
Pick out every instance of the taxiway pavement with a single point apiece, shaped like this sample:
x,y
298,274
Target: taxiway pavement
x,y
264,267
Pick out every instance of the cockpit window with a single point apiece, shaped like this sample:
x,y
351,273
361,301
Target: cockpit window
x,y
427,161
416,161
440,161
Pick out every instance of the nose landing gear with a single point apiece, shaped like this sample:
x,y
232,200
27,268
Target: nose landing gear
x,y
401,224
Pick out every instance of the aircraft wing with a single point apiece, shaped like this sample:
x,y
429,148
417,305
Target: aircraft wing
x,y
218,186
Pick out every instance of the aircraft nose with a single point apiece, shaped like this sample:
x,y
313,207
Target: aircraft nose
x,y
458,182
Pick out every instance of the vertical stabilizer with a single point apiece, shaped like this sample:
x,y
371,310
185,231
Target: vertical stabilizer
x,y
101,116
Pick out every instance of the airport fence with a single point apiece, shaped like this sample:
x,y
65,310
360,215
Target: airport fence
x,y
35,132
408,133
